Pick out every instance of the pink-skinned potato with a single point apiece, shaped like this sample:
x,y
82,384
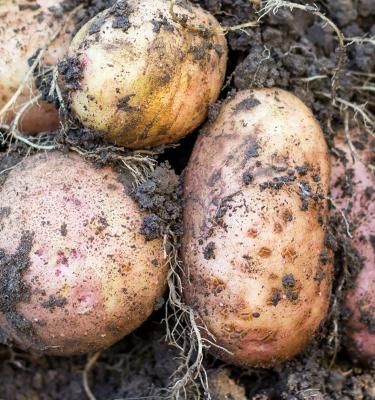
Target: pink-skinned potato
x,y
258,273
26,27
352,189
76,275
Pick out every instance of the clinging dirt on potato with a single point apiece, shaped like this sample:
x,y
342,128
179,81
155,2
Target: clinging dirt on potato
x,y
254,228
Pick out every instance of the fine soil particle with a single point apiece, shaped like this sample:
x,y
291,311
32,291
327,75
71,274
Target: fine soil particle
x,y
54,302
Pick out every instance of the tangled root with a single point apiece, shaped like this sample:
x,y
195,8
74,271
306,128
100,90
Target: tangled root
x,y
183,332
139,163
190,378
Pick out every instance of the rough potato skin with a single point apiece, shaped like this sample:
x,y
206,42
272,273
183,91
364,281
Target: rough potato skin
x,y
257,271
79,275
23,31
151,82
352,188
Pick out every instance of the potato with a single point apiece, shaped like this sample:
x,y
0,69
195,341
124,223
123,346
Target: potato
x,y
146,77
75,273
352,189
222,386
26,27
257,270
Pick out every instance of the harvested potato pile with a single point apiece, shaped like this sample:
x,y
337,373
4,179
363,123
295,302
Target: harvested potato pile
x,y
76,275
192,152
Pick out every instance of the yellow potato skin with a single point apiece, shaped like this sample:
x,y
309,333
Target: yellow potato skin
x,y
257,271
21,35
164,73
89,276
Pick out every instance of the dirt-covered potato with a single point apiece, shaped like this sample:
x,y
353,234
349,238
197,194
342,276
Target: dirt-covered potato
x,y
76,275
27,26
144,73
352,189
257,270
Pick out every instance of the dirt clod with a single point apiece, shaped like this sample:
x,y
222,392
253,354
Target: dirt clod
x,y
151,227
71,70
54,302
160,194
12,287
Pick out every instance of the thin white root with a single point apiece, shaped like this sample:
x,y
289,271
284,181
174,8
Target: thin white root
x,y
312,78
360,40
365,88
24,82
139,164
4,171
274,6
176,18
55,88
368,75
240,27
310,394
345,219
85,374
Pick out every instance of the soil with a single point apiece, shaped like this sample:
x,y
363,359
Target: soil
x,y
283,51
12,287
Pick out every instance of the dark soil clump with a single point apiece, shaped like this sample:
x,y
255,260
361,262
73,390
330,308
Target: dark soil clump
x,y
71,70
161,195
